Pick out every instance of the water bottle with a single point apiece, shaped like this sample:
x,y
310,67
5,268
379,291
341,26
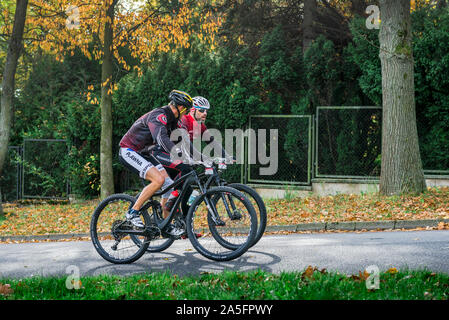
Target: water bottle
x,y
171,200
192,197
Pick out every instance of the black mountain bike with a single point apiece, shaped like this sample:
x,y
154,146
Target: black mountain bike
x,y
220,213
209,180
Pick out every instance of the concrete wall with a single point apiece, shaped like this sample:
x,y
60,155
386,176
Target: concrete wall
x,y
437,182
322,188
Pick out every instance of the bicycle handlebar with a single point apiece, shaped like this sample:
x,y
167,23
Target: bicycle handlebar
x,y
208,163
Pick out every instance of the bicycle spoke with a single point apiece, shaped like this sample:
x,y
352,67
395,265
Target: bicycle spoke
x,y
227,240
108,231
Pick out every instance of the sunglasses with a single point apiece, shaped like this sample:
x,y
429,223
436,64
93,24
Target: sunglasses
x,y
201,110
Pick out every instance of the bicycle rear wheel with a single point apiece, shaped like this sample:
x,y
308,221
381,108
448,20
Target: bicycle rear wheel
x,y
219,222
111,232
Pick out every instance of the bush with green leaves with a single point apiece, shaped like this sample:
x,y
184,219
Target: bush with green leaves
x,y
53,105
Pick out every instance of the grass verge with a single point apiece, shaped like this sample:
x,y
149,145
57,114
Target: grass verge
x,y
311,284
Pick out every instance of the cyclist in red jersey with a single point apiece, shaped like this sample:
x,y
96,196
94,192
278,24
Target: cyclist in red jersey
x,y
194,124
194,120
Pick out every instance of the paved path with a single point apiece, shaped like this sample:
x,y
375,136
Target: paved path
x,y
343,252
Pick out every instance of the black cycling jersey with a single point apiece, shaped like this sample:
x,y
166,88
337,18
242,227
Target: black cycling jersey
x,y
154,127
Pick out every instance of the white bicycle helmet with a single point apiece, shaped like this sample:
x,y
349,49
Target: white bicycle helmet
x,y
201,103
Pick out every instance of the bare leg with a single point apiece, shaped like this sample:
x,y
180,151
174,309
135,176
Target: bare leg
x,y
157,180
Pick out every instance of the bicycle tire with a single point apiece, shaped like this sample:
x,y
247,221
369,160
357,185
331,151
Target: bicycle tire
x,y
231,253
261,214
101,208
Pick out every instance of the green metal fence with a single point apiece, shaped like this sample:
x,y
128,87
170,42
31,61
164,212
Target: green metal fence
x,y
338,142
348,142
293,144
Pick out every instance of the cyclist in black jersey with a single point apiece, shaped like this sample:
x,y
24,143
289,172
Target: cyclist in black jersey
x,y
153,128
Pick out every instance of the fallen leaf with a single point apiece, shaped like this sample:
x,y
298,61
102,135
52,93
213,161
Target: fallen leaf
x,y
308,273
360,277
364,276
392,271
142,281
5,289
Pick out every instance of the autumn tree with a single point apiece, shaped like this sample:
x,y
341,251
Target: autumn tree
x,y
8,81
401,169
100,28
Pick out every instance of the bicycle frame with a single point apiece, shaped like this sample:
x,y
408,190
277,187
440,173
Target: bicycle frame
x,y
187,179
216,176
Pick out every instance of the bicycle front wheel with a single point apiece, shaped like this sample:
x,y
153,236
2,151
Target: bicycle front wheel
x,y
231,218
112,235
259,206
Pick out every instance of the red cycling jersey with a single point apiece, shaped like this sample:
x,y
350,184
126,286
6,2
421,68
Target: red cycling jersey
x,y
195,128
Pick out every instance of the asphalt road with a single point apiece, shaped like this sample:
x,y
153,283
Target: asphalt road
x,y
344,252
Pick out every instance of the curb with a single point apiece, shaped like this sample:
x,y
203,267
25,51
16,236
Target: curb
x,y
52,237
318,226
360,226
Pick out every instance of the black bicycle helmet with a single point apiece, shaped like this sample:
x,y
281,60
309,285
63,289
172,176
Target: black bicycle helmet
x,y
181,98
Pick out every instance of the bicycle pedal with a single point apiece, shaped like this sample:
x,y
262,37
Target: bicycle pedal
x,y
220,223
166,234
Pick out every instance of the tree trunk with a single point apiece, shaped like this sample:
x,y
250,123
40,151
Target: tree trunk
x,y
8,82
106,173
308,32
401,170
